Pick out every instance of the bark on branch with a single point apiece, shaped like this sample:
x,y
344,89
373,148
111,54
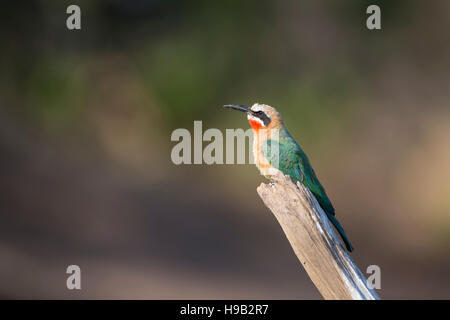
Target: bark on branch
x,y
314,241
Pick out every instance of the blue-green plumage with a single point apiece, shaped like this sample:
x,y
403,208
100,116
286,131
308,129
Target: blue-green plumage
x,y
293,161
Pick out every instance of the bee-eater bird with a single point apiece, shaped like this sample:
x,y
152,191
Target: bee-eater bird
x,y
288,158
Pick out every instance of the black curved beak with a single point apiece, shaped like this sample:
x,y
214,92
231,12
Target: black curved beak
x,y
259,114
238,107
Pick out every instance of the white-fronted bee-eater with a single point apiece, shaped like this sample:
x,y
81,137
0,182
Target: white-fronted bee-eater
x,y
269,134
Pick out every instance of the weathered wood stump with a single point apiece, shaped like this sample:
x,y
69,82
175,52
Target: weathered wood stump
x,y
314,241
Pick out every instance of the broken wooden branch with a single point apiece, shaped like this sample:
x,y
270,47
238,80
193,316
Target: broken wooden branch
x,y
314,241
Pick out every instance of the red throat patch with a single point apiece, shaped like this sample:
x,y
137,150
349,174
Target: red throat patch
x,y
256,125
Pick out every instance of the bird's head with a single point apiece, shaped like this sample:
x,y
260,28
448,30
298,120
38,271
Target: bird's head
x,y
260,116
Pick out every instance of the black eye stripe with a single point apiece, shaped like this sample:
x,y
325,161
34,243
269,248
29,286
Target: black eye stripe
x,y
265,119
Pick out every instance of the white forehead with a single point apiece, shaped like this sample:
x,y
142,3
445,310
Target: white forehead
x,y
260,107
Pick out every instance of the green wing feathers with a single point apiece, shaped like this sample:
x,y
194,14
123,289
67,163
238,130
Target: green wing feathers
x,y
293,162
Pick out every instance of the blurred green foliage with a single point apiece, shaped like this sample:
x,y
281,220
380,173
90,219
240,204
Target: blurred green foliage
x,y
195,56
55,92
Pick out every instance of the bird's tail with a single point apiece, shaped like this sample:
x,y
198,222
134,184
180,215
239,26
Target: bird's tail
x,y
341,231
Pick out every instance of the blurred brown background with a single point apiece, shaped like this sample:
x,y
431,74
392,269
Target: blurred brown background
x,y
86,116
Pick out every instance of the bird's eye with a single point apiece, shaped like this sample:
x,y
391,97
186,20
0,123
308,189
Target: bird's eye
x,y
261,114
